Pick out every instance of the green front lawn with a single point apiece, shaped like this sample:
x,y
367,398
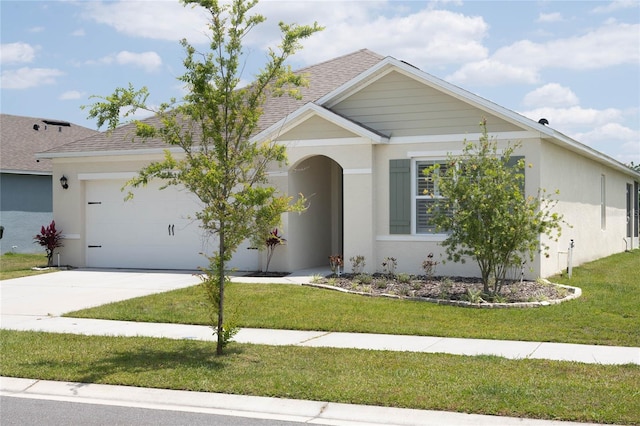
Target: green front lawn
x,y
16,265
483,384
606,314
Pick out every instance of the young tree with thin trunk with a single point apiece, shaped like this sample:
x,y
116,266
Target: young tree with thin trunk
x,y
213,126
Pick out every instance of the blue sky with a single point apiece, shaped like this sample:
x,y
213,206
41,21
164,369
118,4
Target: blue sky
x,y
576,63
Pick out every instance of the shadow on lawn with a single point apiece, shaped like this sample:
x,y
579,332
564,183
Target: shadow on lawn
x,y
140,361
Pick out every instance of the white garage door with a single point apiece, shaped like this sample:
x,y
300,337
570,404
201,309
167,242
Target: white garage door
x,y
154,230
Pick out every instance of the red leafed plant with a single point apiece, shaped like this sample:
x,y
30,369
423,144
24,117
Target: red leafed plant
x,y
336,261
50,239
272,241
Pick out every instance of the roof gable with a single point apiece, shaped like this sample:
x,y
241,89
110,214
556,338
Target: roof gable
x,y
316,127
315,122
399,105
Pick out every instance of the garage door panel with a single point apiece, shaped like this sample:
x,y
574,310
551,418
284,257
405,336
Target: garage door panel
x,y
155,230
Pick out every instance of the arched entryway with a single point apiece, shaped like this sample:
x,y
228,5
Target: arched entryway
x,y
317,233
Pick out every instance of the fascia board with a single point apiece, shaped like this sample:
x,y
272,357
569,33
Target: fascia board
x,y
76,154
25,172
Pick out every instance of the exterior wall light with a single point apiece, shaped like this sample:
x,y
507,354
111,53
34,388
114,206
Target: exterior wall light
x,y
63,182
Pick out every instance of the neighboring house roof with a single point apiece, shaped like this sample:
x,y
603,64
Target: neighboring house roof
x,y
329,83
22,137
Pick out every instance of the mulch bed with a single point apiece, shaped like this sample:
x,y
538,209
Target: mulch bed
x,y
444,288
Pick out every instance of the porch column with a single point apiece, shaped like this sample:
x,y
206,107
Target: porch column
x,y
358,217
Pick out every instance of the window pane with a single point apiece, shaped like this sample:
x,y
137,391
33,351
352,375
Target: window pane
x,y
424,184
423,218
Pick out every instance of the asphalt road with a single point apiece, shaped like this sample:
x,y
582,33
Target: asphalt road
x,y
27,412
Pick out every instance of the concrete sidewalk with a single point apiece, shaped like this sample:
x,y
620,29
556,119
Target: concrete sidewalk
x,y
591,354
36,303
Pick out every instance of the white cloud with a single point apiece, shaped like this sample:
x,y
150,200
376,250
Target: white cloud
x,y
493,73
611,132
159,20
149,61
78,33
550,17
615,5
603,138
427,38
551,95
25,78
13,53
609,45
72,95
36,29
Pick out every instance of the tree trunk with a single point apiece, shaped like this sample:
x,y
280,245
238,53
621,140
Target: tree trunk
x,y
220,331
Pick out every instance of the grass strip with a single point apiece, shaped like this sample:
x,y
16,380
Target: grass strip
x,y
484,384
606,314
16,265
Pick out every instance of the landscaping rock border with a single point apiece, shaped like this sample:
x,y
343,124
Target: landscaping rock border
x,y
573,293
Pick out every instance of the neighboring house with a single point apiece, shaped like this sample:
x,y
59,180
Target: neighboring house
x,y
25,182
356,143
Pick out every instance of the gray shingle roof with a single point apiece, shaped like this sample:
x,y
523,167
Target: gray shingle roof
x,y
22,137
323,78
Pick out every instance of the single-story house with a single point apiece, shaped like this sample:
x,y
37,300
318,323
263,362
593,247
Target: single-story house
x,y
25,182
356,142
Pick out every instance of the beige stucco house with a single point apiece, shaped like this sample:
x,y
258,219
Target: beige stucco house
x,y
356,143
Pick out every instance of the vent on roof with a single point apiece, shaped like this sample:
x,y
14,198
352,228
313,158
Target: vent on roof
x,y
543,121
36,127
411,65
57,123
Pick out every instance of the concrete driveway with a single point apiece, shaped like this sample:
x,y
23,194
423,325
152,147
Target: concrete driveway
x,y
64,291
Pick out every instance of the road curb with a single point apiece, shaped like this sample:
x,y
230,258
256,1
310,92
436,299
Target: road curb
x,y
309,412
